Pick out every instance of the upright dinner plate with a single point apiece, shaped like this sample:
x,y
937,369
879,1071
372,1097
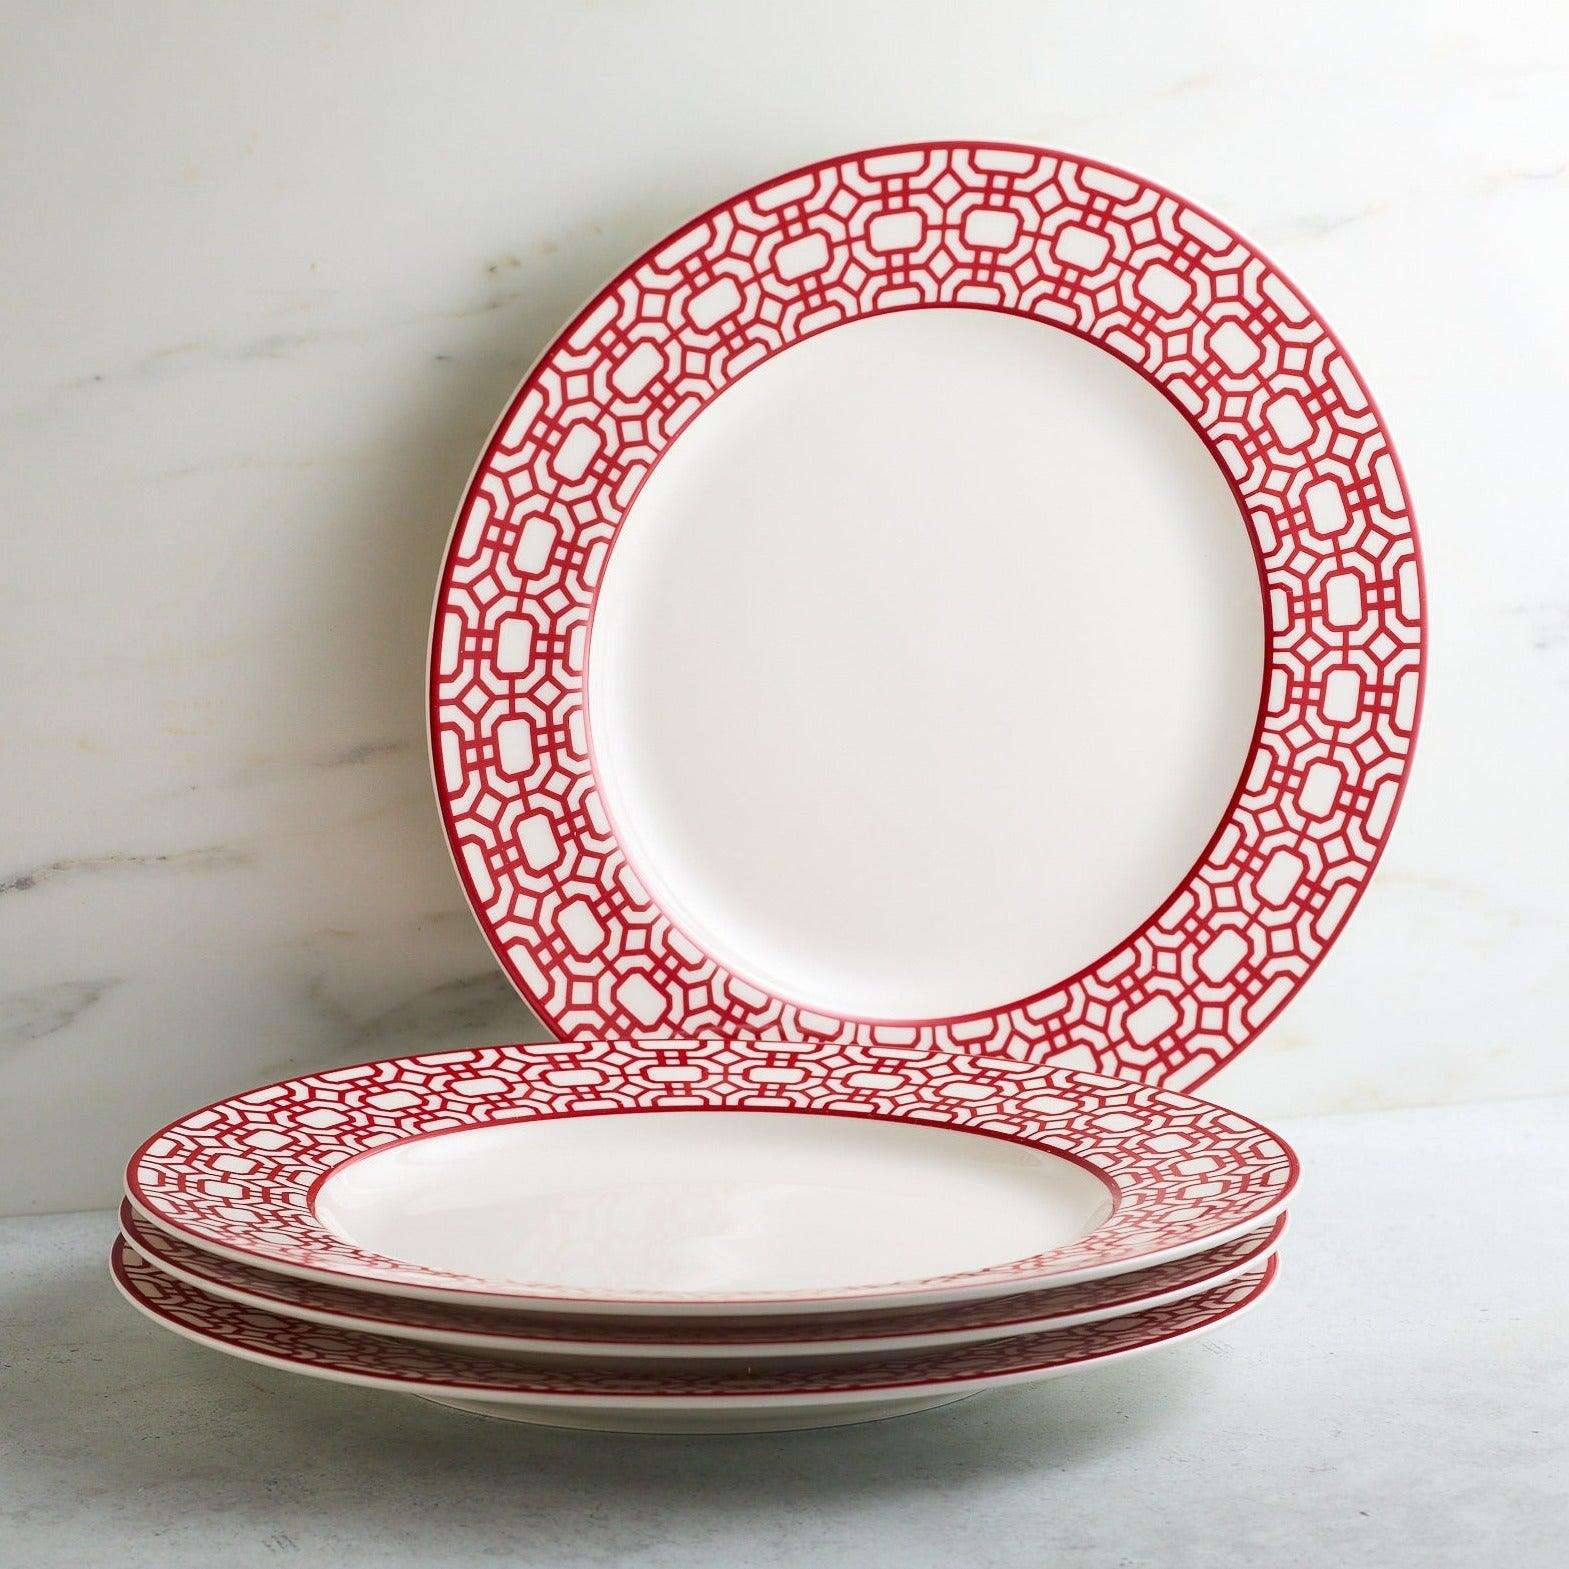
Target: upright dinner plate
x,y
1023,653
675,1399
708,1177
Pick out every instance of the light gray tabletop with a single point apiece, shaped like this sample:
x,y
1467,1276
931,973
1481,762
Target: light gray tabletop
x,y
1401,1399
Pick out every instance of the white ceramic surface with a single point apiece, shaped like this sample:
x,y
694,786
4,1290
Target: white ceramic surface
x,y
919,565
691,1202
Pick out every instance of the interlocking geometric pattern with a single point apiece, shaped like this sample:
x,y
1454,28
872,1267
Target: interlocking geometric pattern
x,y
289,1294
242,1173
378,1359
1085,248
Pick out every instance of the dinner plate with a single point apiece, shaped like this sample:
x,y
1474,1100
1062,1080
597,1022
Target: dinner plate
x,y
674,1399
503,1331
1027,660
709,1177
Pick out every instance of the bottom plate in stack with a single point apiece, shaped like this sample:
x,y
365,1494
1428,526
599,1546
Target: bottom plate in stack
x,y
748,1399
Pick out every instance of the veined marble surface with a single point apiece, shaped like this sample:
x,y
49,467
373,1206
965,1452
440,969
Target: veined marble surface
x,y
270,272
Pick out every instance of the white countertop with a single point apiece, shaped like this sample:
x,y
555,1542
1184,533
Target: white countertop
x,y
1400,1400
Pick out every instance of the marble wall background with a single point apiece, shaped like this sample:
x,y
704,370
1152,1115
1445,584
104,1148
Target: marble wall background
x,y
267,275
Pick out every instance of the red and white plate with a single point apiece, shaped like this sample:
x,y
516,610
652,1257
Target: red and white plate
x,y
504,1331
709,1177
673,1399
1028,661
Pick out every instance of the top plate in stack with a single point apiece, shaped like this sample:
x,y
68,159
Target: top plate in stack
x,y
774,1177
1024,653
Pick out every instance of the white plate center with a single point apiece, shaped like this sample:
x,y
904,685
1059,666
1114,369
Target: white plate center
x,y
710,1202
925,664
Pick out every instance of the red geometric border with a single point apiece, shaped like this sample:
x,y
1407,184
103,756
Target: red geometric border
x,y
240,1176
1164,287
378,1359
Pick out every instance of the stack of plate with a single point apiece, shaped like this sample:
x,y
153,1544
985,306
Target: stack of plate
x,y
619,1235
896,789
